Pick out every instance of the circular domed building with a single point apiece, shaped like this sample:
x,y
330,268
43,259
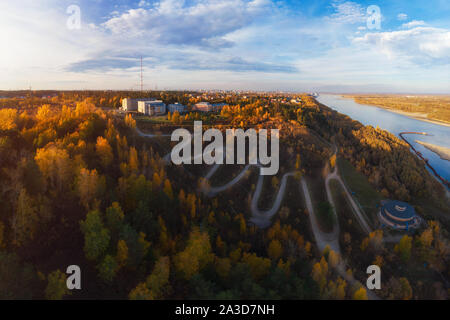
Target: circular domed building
x,y
398,215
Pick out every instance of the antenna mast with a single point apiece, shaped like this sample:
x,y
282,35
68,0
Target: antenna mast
x,y
142,78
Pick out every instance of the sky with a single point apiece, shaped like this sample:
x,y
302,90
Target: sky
x,y
400,46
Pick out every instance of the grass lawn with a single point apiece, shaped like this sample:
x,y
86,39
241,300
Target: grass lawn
x,y
347,220
368,197
158,119
316,184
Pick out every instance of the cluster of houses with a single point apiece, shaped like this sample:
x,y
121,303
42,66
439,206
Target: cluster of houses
x,y
154,107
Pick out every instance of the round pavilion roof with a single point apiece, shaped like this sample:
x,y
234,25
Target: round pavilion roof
x,y
400,209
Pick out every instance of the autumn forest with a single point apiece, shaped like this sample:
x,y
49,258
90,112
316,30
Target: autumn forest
x,y
82,184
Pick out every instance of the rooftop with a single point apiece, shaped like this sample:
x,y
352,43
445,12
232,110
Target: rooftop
x,y
399,209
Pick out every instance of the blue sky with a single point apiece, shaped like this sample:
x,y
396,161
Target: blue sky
x,y
227,44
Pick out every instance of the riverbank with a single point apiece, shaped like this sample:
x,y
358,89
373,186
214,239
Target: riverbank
x,y
416,115
421,116
442,152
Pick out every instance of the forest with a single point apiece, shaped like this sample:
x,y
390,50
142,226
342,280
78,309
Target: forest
x,y
80,186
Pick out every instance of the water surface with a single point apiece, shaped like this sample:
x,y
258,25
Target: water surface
x,y
396,123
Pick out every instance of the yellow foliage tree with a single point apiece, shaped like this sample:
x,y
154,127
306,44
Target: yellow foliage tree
x,y
133,160
403,248
104,152
55,165
90,186
43,113
122,253
153,287
275,250
168,189
129,121
195,256
360,294
259,266
223,267
8,119
333,259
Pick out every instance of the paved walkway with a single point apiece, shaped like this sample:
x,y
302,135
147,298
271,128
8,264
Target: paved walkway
x,y
356,209
262,219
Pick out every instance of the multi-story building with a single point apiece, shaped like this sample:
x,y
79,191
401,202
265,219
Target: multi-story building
x,y
176,107
203,107
132,104
152,108
208,107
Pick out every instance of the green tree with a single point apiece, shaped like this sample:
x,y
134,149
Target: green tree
x,y
155,284
96,236
326,215
25,220
403,248
108,268
56,287
18,281
114,217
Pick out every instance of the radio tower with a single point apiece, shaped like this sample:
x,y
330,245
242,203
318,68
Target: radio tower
x,y
142,78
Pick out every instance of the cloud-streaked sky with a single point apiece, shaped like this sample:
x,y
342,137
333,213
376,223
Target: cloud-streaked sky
x,y
228,44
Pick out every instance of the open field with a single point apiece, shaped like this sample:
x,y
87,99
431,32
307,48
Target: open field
x,y
347,221
365,194
316,184
431,108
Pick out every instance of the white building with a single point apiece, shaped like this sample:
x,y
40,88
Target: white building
x,y
132,104
152,108
176,107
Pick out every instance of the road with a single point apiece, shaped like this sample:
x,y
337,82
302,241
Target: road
x,y
355,207
262,219
323,239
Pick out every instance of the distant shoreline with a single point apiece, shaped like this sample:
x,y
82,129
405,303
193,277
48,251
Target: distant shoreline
x,y
416,116
413,115
442,152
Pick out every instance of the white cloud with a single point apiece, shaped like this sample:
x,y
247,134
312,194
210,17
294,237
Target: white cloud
x,y
261,47
202,23
420,45
413,24
402,16
143,3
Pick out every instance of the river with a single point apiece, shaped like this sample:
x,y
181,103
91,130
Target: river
x,y
396,123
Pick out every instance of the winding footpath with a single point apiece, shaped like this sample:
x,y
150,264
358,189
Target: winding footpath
x,y
262,219
355,207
